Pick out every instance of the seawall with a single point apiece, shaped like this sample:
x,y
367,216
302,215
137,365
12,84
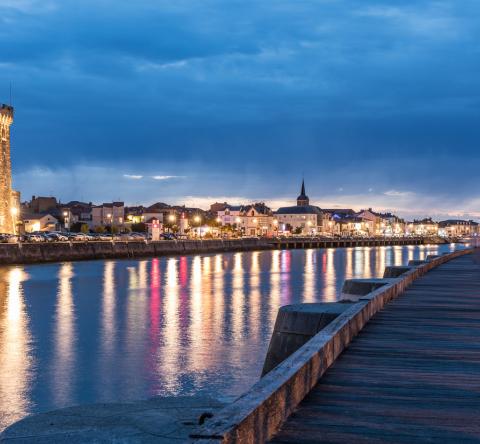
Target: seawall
x,y
75,251
31,253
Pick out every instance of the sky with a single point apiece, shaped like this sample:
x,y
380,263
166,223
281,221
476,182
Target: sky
x,y
375,103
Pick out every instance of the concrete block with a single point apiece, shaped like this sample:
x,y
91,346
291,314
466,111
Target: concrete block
x,y
295,325
394,271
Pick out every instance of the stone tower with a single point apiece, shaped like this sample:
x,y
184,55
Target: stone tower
x,y
6,215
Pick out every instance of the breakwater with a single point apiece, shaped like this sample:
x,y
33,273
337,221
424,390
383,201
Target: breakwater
x,y
28,253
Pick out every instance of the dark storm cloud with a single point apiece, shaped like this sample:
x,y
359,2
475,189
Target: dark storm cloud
x,y
380,95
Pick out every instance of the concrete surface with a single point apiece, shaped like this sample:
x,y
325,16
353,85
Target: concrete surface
x,y
159,420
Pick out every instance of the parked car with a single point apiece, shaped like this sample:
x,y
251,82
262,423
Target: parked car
x,y
78,237
56,237
7,238
168,236
33,237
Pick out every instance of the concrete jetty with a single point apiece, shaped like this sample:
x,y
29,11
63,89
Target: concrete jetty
x,y
411,374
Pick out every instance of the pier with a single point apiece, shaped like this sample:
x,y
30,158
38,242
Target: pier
x,y
400,365
411,375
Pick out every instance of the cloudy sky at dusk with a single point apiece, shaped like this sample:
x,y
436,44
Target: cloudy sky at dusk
x,y
376,103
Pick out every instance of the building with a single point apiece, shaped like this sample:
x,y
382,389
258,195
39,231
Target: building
x,y
423,227
42,204
230,215
8,213
108,214
256,220
39,222
218,206
76,212
457,228
302,218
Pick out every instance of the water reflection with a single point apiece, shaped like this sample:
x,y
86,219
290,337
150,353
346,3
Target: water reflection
x,y
64,342
134,329
16,361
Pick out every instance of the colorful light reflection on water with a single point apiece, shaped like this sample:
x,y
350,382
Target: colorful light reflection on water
x,y
84,332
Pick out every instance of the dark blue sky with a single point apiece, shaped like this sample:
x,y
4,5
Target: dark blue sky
x,y
376,103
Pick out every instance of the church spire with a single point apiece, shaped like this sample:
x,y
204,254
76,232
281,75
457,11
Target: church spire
x,y
303,199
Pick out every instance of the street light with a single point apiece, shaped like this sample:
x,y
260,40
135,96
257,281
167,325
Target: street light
x,y
65,220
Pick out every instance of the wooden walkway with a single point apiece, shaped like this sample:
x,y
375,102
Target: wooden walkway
x,y
412,375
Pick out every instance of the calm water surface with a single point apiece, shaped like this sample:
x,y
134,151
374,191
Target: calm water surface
x,y
113,330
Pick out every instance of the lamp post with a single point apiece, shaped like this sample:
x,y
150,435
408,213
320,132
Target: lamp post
x,y
197,219
110,218
171,219
66,221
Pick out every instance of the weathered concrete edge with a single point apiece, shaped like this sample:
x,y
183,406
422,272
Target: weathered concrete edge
x,y
256,415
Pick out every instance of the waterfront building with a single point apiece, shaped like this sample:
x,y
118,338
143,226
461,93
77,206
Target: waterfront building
x,y
457,228
134,215
108,214
75,212
230,215
39,222
8,212
423,227
256,220
354,226
302,218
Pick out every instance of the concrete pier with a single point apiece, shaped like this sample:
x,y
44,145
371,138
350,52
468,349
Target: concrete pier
x,y
410,376
271,409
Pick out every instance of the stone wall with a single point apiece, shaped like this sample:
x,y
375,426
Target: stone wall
x,y
66,251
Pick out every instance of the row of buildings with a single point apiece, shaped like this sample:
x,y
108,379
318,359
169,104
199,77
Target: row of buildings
x,y
306,219
47,214
257,219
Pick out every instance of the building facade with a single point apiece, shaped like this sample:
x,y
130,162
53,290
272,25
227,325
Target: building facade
x,y
302,218
108,214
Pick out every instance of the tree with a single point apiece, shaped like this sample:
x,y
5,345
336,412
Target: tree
x,y
298,230
100,229
139,227
84,228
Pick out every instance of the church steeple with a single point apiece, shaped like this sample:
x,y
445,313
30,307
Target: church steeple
x,y
303,199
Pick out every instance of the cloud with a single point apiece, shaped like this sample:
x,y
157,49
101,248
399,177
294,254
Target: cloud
x,y
396,193
165,177
133,176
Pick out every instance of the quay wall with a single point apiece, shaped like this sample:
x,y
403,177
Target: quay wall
x,y
30,253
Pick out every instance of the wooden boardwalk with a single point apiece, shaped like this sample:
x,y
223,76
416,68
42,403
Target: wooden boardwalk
x,y
412,375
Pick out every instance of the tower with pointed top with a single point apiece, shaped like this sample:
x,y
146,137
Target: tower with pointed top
x,y
7,213
303,200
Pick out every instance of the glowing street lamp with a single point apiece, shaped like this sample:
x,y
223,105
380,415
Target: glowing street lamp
x,y
66,222
171,218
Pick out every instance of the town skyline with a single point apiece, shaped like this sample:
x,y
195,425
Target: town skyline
x,y
223,103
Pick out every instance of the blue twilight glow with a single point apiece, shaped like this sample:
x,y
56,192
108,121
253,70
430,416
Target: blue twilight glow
x,y
375,102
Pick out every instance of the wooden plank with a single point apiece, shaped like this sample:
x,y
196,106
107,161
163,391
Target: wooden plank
x,y
412,375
